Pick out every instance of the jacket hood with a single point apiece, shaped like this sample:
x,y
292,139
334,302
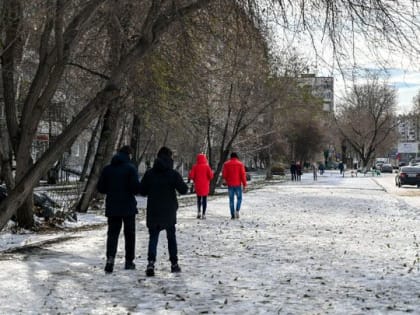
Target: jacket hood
x,y
120,158
201,158
163,164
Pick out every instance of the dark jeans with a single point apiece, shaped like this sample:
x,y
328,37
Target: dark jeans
x,y
114,228
202,201
153,242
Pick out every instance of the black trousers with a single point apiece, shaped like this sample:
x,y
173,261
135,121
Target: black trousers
x,y
202,201
154,239
114,228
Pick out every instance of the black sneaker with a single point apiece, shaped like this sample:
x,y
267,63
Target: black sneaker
x,y
129,265
150,269
175,268
109,266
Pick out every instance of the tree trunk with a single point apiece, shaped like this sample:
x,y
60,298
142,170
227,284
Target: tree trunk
x,y
135,139
25,213
223,157
90,150
6,159
122,136
269,174
105,148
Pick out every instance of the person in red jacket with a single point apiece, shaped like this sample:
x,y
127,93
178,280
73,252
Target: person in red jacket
x,y
201,174
235,178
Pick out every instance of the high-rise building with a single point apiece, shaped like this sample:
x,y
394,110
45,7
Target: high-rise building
x,y
408,128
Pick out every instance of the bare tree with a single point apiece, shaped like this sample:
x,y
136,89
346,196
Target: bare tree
x,y
416,103
367,117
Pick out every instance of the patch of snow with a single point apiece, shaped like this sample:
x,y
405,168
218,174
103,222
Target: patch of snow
x,y
336,245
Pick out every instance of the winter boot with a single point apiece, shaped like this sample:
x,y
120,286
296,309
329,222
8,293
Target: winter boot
x,y
175,268
237,214
109,266
129,265
150,270
198,214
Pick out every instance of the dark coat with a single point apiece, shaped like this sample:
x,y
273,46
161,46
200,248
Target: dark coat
x,y
160,184
119,181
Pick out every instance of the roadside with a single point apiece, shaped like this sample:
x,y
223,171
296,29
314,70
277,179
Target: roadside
x,y
409,194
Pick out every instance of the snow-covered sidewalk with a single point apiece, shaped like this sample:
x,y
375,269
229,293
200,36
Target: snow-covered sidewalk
x,y
337,246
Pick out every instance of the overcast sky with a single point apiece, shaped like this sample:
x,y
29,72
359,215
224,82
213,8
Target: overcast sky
x,y
406,82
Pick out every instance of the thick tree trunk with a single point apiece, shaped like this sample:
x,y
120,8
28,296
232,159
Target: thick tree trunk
x,y
6,171
6,159
105,148
90,150
24,214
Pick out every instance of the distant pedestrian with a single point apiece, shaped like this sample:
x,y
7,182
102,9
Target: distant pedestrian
x,y
201,174
321,169
160,185
234,176
293,171
315,170
119,181
341,167
298,171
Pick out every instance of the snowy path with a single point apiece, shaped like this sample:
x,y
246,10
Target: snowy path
x,y
336,246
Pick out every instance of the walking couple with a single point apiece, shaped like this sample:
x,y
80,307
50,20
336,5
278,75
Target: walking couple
x,y
119,181
234,177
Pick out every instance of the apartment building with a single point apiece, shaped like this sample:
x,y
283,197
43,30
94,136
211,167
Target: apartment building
x,y
322,87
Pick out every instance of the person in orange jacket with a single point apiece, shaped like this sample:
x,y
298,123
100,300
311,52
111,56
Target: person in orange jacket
x,y
201,174
234,175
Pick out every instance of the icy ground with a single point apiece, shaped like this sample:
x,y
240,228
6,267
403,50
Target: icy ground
x,y
335,246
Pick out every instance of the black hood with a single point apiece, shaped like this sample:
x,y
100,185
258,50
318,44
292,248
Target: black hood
x,y
120,158
163,164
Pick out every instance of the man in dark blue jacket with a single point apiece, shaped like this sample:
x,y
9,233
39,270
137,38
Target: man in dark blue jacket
x,y
119,181
160,185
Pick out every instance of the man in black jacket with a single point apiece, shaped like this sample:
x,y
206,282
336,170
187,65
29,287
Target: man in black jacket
x,y
119,181
160,185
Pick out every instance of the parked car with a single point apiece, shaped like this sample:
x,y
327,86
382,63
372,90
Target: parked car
x,y
386,168
408,175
